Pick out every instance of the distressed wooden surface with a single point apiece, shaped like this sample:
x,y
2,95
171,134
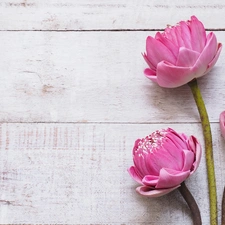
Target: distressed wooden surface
x,y
77,173
74,100
93,77
110,14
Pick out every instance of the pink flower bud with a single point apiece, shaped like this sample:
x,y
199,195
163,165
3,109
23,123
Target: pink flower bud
x,y
222,123
163,160
181,53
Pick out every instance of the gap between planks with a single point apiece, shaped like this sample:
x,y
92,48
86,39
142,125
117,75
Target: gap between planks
x,y
99,122
101,30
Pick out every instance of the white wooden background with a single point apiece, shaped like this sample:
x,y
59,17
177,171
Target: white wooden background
x,y
74,99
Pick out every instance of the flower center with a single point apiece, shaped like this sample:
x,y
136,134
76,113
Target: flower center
x,y
151,143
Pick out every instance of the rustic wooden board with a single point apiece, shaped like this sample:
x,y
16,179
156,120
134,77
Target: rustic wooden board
x,y
76,174
110,14
74,100
93,77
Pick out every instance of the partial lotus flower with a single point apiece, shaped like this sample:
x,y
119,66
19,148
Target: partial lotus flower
x,y
181,53
222,123
163,160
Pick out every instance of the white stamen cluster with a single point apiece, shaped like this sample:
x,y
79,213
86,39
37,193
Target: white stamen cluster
x,y
151,143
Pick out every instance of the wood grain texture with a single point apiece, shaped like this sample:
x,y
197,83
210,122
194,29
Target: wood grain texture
x,y
73,101
93,77
77,174
110,14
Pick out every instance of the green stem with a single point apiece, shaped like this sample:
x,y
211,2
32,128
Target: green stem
x,y
196,216
208,150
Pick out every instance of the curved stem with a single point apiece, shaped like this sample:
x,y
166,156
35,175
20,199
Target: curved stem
x,y
223,208
191,203
208,150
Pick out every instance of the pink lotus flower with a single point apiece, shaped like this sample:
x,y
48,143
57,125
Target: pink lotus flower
x,y
163,160
222,123
181,53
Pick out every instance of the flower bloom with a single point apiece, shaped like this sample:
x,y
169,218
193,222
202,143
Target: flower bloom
x,y
181,53
163,160
222,123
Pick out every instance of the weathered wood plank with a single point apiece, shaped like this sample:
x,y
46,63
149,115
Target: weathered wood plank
x,y
76,174
93,77
99,14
